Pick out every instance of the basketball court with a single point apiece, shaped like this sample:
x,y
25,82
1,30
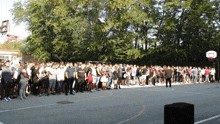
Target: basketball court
x,y
128,105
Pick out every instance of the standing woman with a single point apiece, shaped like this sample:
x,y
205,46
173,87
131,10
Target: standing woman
x,y
164,71
182,76
161,76
154,76
128,75
104,78
90,78
207,75
94,75
23,82
115,73
44,81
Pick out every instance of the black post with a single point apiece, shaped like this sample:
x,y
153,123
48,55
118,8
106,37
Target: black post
x,y
218,71
179,113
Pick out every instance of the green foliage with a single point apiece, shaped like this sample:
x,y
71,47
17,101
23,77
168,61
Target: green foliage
x,y
76,31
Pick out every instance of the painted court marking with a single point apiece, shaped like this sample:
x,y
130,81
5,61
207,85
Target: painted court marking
x,y
52,104
26,108
135,115
208,119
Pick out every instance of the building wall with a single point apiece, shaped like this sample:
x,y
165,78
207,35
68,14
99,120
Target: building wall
x,y
27,58
9,54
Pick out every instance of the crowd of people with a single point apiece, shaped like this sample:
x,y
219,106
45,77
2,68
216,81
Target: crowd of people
x,y
52,78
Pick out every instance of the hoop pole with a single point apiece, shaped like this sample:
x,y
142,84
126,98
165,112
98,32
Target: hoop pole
x,y
218,71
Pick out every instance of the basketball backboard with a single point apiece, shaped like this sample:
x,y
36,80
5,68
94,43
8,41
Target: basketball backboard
x,y
211,53
4,27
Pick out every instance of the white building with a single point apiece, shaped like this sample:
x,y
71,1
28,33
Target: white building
x,y
11,55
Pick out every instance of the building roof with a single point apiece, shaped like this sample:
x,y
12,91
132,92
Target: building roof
x,y
5,50
9,52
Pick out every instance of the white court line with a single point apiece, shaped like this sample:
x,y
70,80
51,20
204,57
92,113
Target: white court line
x,y
26,108
1,122
143,108
208,119
52,104
208,94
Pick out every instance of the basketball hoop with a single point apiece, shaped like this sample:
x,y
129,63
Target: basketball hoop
x,y
211,55
210,58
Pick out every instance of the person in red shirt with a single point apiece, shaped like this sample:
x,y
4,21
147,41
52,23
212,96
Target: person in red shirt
x,y
190,73
207,75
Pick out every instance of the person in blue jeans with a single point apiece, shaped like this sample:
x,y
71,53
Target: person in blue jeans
x,y
108,73
60,79
195,72
179,74
98,72
7,80
52,80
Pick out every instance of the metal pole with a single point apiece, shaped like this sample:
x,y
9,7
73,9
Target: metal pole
x,y
218,71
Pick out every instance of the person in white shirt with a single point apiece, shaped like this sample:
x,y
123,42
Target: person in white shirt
x,y
199,74
52,79
203,74
15,69
213,74
144,70
147,75
93,74
128,75
29,65
60,77
1,85
133,74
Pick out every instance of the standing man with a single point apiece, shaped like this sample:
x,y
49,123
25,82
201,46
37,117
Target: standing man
x,y
98,72
119,76
35,77
194,72
60,77
7,77
109,73
1,80
168,75
138,74
144,75
81,77
70,73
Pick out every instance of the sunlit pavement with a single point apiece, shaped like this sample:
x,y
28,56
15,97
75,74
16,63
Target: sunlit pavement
x,y
137,105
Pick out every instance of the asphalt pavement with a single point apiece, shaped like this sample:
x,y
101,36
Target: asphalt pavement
x,y
129,105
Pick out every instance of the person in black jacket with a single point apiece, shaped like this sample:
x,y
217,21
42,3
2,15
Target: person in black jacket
x,y
168,75
1,81
7,80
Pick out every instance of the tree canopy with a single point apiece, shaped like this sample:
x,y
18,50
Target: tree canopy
x,y
176,32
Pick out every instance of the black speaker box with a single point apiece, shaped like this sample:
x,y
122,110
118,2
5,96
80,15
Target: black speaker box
x,y
179,113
